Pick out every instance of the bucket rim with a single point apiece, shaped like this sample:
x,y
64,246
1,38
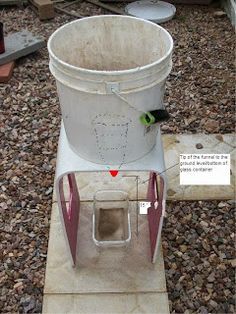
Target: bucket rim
x,y
116,72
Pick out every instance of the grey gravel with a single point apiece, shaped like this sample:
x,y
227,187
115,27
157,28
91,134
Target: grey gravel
x,y
199,146
200,90
202,279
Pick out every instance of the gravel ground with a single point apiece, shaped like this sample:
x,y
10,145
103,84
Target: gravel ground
x,y
199,251
199,97
200,89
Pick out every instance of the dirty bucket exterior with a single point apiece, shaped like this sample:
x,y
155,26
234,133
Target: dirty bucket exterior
x,y
109,70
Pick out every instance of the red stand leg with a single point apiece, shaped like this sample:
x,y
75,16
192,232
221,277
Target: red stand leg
x,y
70,213
155,211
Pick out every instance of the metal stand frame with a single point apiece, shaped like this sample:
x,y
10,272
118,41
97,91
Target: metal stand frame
x,y
68,163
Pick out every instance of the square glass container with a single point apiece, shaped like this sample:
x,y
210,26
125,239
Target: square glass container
x,y
111,219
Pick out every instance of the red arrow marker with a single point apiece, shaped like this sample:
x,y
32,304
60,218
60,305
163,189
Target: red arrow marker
x,y
113,172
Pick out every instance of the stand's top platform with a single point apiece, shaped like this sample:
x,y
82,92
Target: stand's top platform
x,y
68,161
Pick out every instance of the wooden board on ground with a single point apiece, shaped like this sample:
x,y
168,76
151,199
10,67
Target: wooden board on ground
x,y
205,2
74,14
117,1
11,2
6,71
44,8
106,6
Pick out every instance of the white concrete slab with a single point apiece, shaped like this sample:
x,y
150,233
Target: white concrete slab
x,y
186,144
20,44
174,145
108,271
109,281
138,303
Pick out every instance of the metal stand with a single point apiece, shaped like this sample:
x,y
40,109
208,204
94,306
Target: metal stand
x,y
68,163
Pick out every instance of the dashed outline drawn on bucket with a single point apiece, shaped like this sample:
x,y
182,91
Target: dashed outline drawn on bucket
x,y
104,126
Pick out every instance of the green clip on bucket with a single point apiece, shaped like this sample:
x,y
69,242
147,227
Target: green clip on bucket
x,y
147,119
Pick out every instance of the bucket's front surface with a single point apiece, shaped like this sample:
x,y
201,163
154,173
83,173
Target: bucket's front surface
x,y
109,70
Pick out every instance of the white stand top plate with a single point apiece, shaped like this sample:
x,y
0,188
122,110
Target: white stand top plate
x,y
68,161
152,10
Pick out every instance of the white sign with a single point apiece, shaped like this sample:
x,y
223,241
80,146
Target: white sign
x,y
143,207
204,169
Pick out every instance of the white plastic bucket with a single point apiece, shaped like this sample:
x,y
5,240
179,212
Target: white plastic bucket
x,y
109,70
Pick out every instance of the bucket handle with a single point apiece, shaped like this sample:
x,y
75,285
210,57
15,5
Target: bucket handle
x,y
146,118
115,92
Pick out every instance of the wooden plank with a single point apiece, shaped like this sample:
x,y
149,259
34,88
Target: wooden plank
x,y
117,1
11,2
58,1
68,4
204,2
74,14
6,71
106,6
45,8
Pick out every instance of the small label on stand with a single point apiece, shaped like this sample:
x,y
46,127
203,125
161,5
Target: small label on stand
x,y
143,207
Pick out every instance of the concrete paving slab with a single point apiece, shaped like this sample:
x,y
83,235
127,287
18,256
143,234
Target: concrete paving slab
x,y
139,303
173,145
230,139
20,44
107,271
106,281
